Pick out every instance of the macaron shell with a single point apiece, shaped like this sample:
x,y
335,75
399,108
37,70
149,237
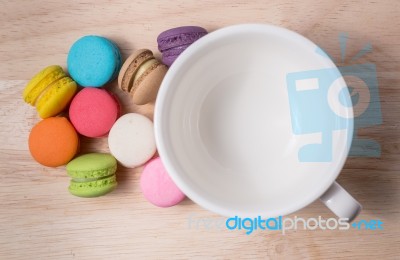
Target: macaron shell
x,y
145,89
179,30
92,165
93,188
131,140
56,98
53,141
40,82
179,36
93,61
169,60
93,112
131,66
173,42
117,54
157,187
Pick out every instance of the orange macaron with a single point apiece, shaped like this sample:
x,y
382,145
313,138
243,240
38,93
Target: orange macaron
x,y
53,141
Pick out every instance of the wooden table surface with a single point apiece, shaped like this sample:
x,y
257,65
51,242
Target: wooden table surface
x,y
39,219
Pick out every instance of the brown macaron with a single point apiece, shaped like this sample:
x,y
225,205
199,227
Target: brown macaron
x,y
141,75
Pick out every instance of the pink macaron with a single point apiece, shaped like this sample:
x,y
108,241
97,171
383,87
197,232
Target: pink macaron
x,y
93,112
157,187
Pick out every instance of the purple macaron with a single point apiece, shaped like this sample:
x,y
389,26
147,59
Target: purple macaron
x,y
173,42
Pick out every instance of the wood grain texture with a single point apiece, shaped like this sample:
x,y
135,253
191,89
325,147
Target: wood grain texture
x,y
39,219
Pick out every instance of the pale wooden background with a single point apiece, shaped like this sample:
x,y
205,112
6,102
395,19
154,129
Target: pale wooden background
x,y
39,219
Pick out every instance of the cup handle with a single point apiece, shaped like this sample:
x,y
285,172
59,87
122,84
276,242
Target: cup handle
x,y
340,202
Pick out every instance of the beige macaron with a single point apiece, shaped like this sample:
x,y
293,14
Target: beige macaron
x,y
141,75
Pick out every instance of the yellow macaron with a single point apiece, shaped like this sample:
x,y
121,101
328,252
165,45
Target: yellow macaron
x,y
50,91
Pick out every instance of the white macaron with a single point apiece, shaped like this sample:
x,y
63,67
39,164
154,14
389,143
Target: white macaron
x,y
131,140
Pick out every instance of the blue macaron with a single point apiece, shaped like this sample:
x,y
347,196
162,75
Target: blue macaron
x,y
93,61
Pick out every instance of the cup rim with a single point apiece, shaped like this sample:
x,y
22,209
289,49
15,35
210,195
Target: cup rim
x,y
160,124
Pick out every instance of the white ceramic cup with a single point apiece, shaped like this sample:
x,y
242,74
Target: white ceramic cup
x,y
225,124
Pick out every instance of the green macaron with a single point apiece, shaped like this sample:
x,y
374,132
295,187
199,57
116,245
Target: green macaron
x,y
92,175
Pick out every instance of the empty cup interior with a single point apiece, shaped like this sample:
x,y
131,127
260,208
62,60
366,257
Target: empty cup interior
x,y
236,109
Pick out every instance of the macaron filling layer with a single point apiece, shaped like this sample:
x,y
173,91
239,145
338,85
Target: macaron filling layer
x,y
82,180
175,51
93,183
56,97
92,174
143,68
93,188
37,78
33,91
